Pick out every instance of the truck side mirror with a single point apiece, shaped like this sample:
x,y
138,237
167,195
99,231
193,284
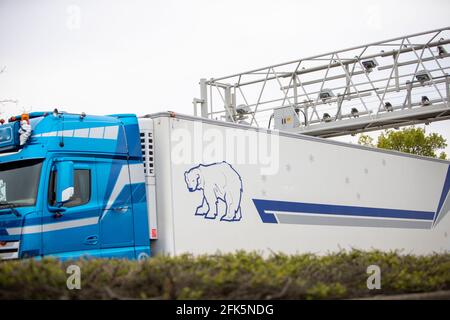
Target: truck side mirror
x,y
64,181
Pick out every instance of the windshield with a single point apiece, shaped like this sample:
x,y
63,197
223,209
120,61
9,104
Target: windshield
x,y
19,182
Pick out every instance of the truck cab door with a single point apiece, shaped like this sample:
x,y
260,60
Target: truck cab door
x,y
73,232
116,219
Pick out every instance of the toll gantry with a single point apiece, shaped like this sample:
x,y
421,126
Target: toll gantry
x,y
387,84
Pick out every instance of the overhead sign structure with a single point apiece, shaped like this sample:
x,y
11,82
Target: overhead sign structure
x,y
387,84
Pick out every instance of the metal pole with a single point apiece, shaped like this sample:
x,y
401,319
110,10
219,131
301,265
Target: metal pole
x,y
408,93
194,103
397,80
447,88
295,90
228,104
204,98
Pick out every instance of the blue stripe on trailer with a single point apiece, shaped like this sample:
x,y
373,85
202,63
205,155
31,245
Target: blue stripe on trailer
x,y
444,193
267,207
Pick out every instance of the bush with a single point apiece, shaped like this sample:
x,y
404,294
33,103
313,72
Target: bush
x,y
228,276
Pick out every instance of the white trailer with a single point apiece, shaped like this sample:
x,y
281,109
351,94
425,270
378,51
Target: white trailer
x,y
297,193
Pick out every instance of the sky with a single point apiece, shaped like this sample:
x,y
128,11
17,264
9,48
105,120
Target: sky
x,y
133,56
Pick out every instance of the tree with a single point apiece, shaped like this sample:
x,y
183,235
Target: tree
x,y
410,140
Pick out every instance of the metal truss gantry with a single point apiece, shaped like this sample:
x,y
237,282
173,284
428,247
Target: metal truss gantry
x,y
387,84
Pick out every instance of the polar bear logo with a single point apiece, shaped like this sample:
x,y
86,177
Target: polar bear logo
x,y
218,182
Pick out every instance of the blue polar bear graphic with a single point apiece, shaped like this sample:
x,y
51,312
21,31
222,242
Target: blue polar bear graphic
x,y
218,181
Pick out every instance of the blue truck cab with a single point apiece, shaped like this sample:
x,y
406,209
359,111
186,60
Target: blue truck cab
x,y
71,186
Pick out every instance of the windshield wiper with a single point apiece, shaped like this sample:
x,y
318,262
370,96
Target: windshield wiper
x,y
11,206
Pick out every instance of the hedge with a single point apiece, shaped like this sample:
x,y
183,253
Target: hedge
x,y
228,276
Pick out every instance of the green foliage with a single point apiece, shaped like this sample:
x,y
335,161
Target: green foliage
x,y
366,140
228,276
410,140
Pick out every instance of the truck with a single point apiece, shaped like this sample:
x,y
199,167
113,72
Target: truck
x,y
122,186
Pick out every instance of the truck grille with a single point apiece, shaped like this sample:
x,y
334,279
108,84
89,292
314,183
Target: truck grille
x,y
9,250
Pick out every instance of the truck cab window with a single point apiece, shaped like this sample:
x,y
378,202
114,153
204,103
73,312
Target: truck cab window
x,y
82,188
19,182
